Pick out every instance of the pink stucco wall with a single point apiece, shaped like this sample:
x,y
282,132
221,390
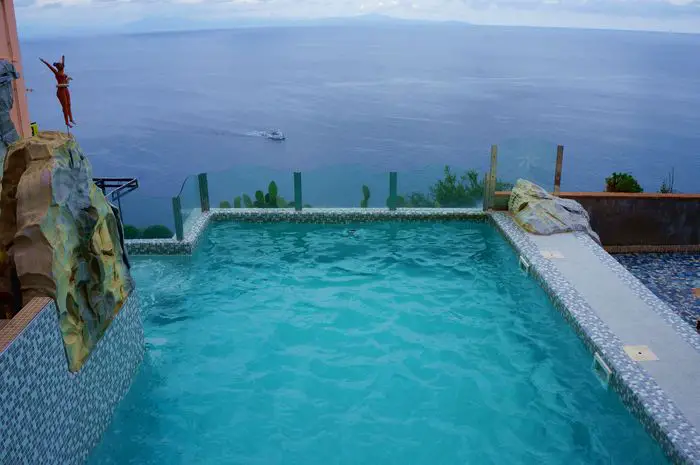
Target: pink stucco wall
x,y
9,50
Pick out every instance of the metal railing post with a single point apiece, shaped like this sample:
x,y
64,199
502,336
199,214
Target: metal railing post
x,y
203,191
393,181
177,214
297,191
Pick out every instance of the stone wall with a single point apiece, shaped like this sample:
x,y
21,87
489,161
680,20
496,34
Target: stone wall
x,y
61,239
638,219
47,413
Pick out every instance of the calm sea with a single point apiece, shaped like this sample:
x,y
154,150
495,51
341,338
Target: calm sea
x,y
357,102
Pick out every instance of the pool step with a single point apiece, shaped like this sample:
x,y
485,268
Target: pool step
x,y
601,369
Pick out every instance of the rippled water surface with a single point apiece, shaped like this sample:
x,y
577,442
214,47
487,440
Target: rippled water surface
x,y
395,343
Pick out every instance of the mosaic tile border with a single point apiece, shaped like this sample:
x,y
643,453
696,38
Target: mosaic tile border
x,y
681,326
312,215
630,249
192,237
49,415
637,389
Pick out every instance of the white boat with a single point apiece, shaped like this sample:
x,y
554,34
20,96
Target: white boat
x,y
275,134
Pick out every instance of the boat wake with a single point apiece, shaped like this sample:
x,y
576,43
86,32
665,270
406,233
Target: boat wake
x,y
272,134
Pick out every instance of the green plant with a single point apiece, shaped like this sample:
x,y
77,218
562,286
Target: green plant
x,y
417,200
263,200
224,204
667,183
622,182
157,231
131,232
366,194
259,199
452,191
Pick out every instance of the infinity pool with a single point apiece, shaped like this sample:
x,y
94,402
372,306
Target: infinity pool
x,y
388,343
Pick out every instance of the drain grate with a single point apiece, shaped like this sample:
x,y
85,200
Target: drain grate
x,y
640,353
550,254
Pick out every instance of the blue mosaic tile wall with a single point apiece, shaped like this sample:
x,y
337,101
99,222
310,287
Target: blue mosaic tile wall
x,y
49,415
671,277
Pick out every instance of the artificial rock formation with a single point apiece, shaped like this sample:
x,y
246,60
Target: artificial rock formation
x,y
62,238
539,212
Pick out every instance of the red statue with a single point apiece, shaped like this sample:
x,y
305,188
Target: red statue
x,y
62,91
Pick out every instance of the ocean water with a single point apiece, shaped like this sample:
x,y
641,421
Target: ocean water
x,y
391,343
359,101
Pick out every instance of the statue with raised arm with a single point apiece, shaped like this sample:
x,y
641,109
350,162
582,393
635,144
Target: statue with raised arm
x,y
62,91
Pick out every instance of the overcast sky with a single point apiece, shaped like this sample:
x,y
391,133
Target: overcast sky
x,y
49,16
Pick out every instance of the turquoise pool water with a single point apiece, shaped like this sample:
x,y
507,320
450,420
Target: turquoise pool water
x,y
392,343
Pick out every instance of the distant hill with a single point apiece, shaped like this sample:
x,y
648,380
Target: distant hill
x,y
179,24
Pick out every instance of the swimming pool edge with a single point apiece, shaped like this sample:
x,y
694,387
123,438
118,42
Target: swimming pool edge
x,y
200,226
638,390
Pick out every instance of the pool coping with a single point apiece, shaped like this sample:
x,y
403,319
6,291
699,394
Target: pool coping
x,y
199,226
638,390
659,415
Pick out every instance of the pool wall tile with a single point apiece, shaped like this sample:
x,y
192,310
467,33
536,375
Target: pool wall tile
x,y
639,392
313,215
49,415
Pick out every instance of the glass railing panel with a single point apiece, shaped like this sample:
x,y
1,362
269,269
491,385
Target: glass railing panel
x,y
190,202
345,186
251,187
147,216
441,186
530,159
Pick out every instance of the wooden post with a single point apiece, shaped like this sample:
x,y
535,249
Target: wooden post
x,y
297,191
557,170
393,190
203,191
492,178
177,214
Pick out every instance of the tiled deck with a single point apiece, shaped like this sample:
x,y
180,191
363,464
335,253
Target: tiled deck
x,y
672,277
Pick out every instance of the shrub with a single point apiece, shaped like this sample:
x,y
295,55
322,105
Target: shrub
x,y
364,203
667,183
157,231
457,192
224,204
451,191
131,232
622,182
